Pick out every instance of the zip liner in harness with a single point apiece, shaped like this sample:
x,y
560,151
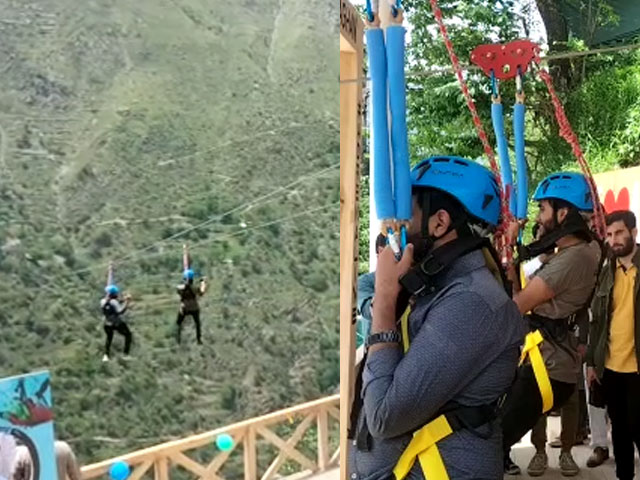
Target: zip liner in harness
x,y
390,196
189,296
113,312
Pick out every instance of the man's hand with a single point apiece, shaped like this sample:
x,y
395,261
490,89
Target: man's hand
x,y
513,230
582,350
389,271
591,376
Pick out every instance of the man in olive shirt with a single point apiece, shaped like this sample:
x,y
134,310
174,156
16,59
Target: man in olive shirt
x,y
614,348
558,290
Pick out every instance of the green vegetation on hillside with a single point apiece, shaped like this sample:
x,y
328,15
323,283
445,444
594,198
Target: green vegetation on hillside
x,y
124,126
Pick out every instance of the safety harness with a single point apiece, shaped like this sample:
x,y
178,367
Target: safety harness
x,y
554,330
420,281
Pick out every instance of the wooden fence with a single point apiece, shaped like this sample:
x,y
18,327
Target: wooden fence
x,y
250,435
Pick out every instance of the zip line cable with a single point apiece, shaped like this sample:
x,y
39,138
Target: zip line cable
x,y
470,68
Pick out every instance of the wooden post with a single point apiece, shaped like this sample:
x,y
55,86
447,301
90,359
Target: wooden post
x,y
250,462
351,67
323,439
162,469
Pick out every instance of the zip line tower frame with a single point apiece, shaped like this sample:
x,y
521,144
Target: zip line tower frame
x,y
351,109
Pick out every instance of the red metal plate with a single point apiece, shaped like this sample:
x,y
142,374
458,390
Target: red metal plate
x,y
504,60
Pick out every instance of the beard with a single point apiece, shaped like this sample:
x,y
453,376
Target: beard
x,y
544,228
421,246
622,250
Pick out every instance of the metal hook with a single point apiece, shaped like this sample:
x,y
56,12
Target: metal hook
x,y
494,85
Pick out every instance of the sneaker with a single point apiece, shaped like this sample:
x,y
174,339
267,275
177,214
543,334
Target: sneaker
x,y
598,457
511,468
538,465
105,358
127,358
568,467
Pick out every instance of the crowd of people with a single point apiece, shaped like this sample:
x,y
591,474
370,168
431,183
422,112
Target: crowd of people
x,y
463,357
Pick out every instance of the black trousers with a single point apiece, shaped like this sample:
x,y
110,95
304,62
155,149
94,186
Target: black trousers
x,y
523,406
622,397
196,318
123,329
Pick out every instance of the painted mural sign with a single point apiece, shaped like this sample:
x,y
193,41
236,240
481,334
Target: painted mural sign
x,y
620,189
26,427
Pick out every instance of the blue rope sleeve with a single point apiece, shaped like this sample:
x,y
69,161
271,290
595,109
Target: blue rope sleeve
x,y
398,107
521,161
382,189
503,154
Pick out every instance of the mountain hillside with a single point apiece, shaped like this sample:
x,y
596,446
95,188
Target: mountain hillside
x,y
129,128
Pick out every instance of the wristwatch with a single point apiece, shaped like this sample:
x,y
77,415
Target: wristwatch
x,y
390,336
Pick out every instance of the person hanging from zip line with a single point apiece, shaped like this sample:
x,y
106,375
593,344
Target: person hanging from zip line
x,y
556,293
445,338
114,321
189,302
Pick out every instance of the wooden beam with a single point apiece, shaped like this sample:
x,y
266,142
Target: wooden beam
x,y
250,460
162,469
351,66
222,457
140,470
323,440
286,448
334,457
187,463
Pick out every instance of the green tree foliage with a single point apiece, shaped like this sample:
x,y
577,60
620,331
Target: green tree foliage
x,y
600,92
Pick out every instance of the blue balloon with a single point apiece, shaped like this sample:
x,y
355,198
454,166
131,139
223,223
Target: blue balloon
x,y
224,442
119,470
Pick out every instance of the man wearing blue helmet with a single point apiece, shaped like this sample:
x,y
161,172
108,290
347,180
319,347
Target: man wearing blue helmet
x,y
114,321
189,302
428,388
558,292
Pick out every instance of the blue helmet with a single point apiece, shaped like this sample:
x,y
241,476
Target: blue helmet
x,y
473,185
188,274
112,290
568,186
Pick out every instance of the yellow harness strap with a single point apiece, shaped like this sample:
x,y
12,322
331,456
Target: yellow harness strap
x,y
404,327
423,445
531,349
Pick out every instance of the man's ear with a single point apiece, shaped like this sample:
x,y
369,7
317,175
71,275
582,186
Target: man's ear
x,y
442,223
562,214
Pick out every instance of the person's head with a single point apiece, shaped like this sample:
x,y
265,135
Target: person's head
x,y
188,275
112,291
381,243
621,232
452,197
562,196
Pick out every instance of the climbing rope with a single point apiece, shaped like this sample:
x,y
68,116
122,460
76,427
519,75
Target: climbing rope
x,y
568,134
499,239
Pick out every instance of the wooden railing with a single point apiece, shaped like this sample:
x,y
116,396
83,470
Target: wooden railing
x,y
251,435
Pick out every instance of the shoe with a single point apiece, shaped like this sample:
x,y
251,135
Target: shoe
x,y
105,358
127,358
511,468
568,467
598,457
538,465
